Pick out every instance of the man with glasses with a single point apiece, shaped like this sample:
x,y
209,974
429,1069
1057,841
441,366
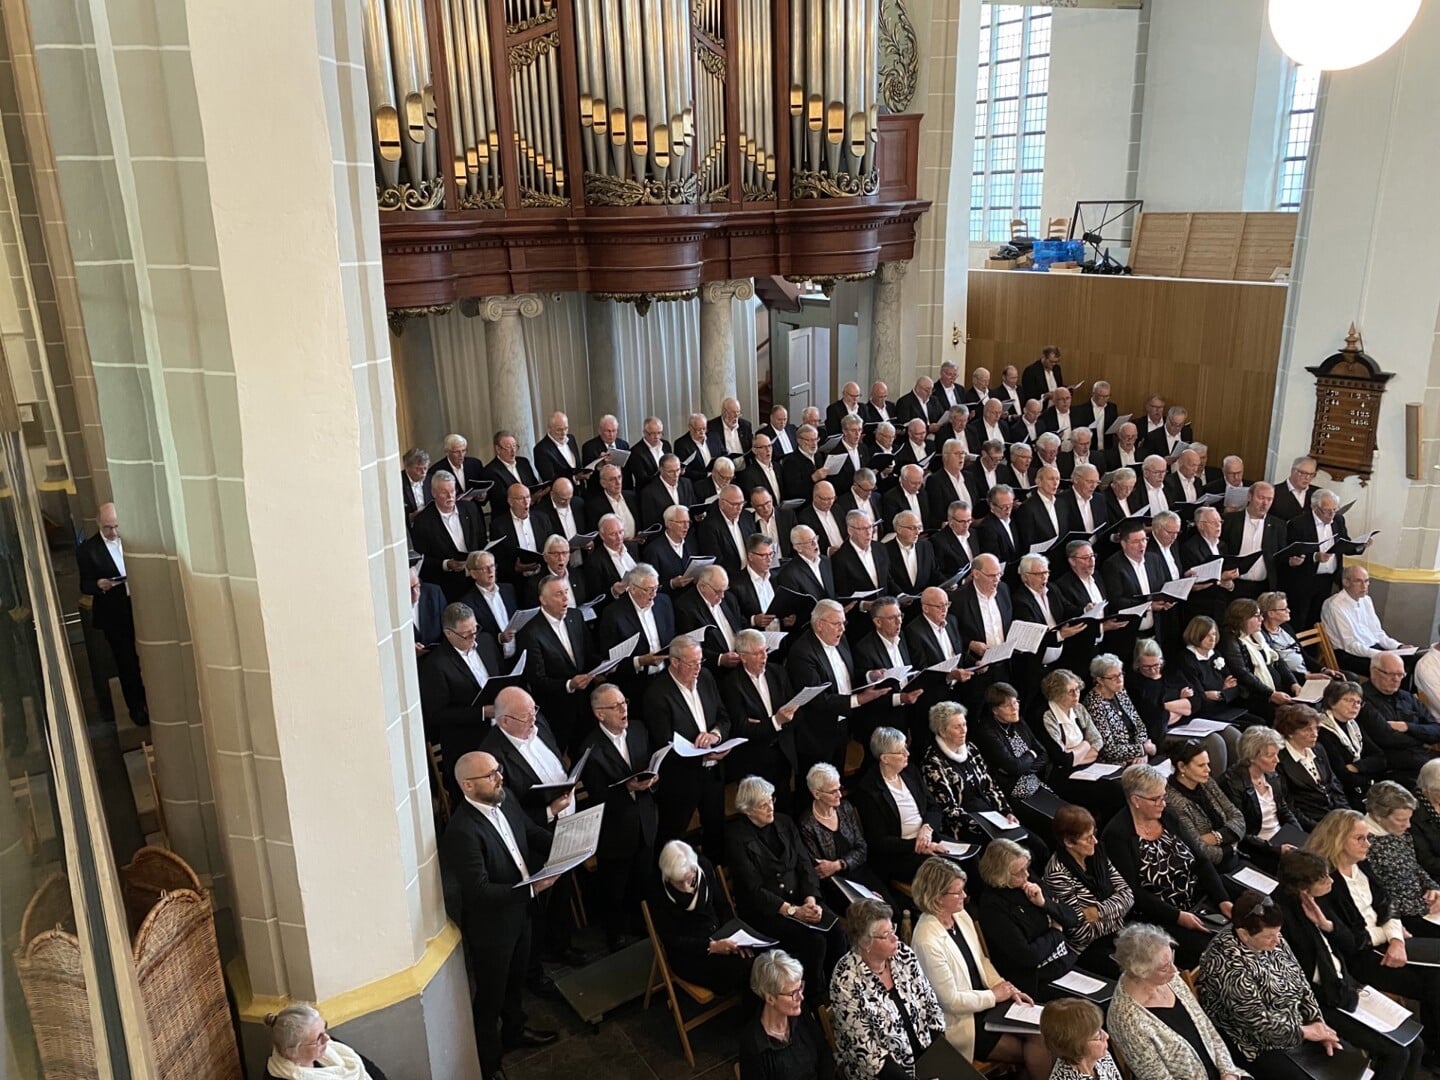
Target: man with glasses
x,y
861,565
521,740
935,636
755,696
908,494
912,559
668,489
445,531
1318,574
614,774
451,676
883,649
1395,720
1292,498
641,609
820,515
723,534
762,471
643,465
754,588
861,496
999,534
610,560
671,551
685,701
492,601
507,467
772,522
709,606
802,469
955,545
559,654
984,612
821,657
808,572
489,846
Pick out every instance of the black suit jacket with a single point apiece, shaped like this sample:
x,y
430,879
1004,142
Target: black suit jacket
x,y
951,554
446,690
550,463
1032,380
966,611
994,541
598,505
1033,523
890,853
472,468
503,527
850,574
1083,415
837,413
766,878
1232,534
659,554
687,449
797,575
620,621
600,572
655,500
520,777
692,613
548,668
715,428
111,610
896,500
940,492
1302,580
408,494
1157,442
751,720
1069,503
484,617
713,536
630,821
429,609
900,581
791,433
594,447
642,467
795,472
919,638
822,727
785,520
754,477
910,407
666,715
430,537
807,516
498,474
479,876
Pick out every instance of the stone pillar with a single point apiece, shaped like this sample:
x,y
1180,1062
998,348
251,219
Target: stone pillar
x,y
1372,160
717,340
510,396
606,382
887,362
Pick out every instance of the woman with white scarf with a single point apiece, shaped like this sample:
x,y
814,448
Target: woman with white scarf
x,y
1358,762
303,1050
1264,681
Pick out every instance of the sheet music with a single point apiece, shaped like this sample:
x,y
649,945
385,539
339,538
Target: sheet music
x,y
1120,421
1208,571
1254,879
1376,1010
576,838
519,619
1023,1014
1237,496
606,665
747,940
1024,637
805,696
997,653
1043,546
1313,690
687,749
959,850
1179,588
949,664
773,639
652,767
1078,982
695,565
625,648
1000,821
834,463
1138,609
858,889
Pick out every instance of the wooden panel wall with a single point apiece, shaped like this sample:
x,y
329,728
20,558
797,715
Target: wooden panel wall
x,y
1211,346
1224,246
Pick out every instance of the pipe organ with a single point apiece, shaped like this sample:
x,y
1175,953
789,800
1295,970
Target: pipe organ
x,y
633,147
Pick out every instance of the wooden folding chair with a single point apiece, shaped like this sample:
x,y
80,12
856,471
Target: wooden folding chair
x,y
1317,637
1059,228
724,875
439,796
147,750
661,977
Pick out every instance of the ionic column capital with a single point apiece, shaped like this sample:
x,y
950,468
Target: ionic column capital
x,y
892,273
722,292
495,308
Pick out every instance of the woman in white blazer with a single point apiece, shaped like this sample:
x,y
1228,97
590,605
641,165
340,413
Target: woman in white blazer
x,y
966,983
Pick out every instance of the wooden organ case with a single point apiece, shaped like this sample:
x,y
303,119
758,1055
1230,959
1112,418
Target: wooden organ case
x,y
632,148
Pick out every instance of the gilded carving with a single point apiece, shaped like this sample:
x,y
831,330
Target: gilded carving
x,y
399,316
489,199
643,301
426,195
899,56
602,190
754,194
539,20
527,52
530,197
711,61
819,185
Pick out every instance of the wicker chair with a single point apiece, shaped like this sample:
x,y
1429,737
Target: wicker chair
x,y
177,964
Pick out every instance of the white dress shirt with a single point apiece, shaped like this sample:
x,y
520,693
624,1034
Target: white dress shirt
x,y
417,492
867,560
558,625
565,518
475,665
623,561
1148,620
563,445
524,533
621,509
732,439
990,616
547,766
618,740
764,591
1354,627
782,440
496,817
832,530
1325,533
451,522
1252,541
1155,497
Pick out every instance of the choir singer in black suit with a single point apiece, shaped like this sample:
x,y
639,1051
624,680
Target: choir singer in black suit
x,y
685,701
822,658
101,563
488,848
619,751
641,609
755,696
451,675
558,657
445,532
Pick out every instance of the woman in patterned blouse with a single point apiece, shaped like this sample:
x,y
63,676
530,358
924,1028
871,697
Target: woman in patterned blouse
x,y
1081,877
1009,746
1115,715
886,1013
1209,820
959,783
1413,893
835,838
1073,1031
1252,987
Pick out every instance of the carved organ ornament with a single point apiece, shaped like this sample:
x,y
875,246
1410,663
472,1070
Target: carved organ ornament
x,y
505,128
1348,385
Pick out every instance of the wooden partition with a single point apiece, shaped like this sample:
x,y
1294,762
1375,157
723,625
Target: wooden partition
x,y
1211,346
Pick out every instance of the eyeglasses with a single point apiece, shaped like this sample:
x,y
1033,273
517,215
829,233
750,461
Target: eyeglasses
x,y
527,718
319,1040
470,635
622,704
499,770
888,935
793,995
1153,798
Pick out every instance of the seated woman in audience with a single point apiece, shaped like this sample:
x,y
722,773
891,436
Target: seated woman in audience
x,y
1280,635
1120,498
1425,825
1155,1021
1357,761
886,1013
1010,748
1261,1001
1207,818
300,1046
966,983
1264,682
784,1040
1074,1032
1310,929
902,827
1081,876
1126,741
835,838
1204,672
959,782
1026,928
1413,893
1258,792
1074,740
776,889
1174,884
1164,703
1310,782
687,907
1383,956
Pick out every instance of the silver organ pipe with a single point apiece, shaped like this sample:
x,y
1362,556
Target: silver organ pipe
x,y
402,105
755,43
833,79
535,101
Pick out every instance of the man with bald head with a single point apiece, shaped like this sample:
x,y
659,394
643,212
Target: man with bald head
x,y
730,431
697,449
725,528
878,409
103,578
763,470
558,454
1098,414
820,516
921,403
984,613
669,488
1394,719
1124,449
1252,531
848,405
908,494
1185,483
782,433
489,847
978,391
559,652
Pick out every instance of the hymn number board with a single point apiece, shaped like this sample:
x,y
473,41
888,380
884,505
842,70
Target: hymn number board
x,y
1348,385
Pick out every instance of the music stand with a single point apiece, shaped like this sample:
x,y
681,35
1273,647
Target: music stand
x,y
1107,221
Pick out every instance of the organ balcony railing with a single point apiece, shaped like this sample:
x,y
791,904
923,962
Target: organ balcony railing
x,y
635,148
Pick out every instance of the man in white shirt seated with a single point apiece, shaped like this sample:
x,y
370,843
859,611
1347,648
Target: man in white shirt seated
x,y
1353,626
1427,678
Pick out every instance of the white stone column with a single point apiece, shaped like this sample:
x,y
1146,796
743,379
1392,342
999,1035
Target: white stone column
x,y
717,340
887,364
606,384
509,367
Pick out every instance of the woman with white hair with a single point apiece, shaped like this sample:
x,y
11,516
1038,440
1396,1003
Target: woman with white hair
x,y
835,837
1155,1021
687,907
1414,895
776,888
783,1041
301,1049
902,827
1425,825
1257,789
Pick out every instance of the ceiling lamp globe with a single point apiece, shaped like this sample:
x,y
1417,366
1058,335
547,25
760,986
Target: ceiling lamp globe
x,y
1337,34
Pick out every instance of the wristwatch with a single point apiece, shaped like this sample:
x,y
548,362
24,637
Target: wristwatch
x,y
790,909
